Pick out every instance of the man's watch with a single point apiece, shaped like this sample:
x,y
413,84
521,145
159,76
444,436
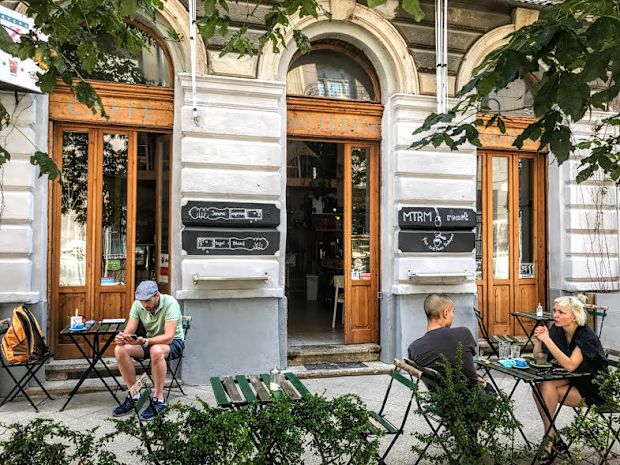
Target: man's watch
x,y
146,342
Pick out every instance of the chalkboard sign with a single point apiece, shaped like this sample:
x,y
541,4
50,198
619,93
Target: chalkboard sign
x,y
242,242
430,218
230,214
438,241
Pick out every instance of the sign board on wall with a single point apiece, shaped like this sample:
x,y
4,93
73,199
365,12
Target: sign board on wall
x,y
436,241
16,74
226,242
230,214
430,218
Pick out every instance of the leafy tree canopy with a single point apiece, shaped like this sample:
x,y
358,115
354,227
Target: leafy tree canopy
x,y
571,59
84,38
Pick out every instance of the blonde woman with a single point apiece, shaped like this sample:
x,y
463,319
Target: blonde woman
x,y
576,347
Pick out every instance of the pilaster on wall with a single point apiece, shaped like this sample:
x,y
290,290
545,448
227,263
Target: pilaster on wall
x,y
23,202
428,177
586,226
233,151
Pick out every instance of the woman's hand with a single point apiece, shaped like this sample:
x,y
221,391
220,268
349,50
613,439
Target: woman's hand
x,y
542,333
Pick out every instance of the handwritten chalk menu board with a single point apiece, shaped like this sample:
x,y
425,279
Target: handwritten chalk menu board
x,y
241,242
436,241
430,218
230,214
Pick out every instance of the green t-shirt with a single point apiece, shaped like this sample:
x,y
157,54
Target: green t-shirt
x,y
168,310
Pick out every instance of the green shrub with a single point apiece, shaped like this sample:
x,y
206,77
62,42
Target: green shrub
x,y
477,428
47,442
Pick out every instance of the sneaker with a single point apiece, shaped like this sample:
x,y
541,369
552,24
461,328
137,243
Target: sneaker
x,y
155,408
125,408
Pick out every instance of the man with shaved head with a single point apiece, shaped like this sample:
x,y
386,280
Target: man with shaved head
x,y
441,339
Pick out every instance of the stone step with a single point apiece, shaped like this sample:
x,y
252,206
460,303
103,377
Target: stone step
x,y
61,370
332,353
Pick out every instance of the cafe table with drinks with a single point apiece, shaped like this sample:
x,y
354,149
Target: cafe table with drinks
x,y
530,370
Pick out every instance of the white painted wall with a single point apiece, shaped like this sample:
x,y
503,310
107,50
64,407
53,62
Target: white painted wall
x,y
583,227
234,151
23,202
429,177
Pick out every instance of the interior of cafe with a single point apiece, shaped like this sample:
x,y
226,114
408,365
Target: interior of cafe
x,y
314,246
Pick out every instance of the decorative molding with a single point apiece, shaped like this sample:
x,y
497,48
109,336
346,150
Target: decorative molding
x,y
366,29
476,53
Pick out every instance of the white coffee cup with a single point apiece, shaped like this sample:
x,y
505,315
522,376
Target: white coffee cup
x,y
77,321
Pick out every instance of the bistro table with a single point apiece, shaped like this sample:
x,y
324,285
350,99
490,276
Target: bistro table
x,y
98,338
532,376
540,320
239,390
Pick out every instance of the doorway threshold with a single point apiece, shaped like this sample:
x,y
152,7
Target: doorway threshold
x,y
332,353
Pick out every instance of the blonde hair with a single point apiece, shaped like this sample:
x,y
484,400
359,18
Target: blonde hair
x,y
575,306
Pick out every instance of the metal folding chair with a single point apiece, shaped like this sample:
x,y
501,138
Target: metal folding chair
x,y
429,378
22,380
598,313
173,365
492,341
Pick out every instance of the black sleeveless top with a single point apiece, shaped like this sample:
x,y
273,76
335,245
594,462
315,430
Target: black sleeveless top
x,y
594,359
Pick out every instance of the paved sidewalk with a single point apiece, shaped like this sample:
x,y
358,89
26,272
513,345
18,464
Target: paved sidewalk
x,y
94,409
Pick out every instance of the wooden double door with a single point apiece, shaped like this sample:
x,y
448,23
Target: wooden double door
x,y
109,222
510,236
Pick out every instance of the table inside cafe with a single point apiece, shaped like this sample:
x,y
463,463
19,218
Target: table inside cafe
x,y
92,341
533,375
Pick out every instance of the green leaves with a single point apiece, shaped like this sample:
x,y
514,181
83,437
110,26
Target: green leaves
x,y
46,165
413,8
573,54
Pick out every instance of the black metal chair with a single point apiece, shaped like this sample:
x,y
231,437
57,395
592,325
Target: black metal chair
x,y
27,372
598,312
173,365
492,341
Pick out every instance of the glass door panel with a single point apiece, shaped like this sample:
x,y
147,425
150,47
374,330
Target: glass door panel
x,y
360,214
527,176
500,218
73,209
114,210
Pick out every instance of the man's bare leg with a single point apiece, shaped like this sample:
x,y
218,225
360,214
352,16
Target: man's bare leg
x,y
159,353
124,354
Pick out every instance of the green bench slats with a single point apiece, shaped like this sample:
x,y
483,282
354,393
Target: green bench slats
x,y
372,429
297,384
231,389
261,392
389,427
242,381
401,379
289,390
220,394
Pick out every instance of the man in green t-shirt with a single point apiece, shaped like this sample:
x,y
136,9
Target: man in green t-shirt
x,y
160,315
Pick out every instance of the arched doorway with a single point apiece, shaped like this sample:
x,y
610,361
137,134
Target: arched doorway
x,y
333,134
109,220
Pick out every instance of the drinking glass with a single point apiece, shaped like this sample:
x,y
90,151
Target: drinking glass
x,y
504,350
515,351
540,358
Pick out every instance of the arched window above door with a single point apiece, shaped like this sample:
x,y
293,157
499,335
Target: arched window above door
x,y
333,70
151,66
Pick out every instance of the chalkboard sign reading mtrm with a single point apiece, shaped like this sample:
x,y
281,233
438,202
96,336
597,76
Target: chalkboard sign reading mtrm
x,y
240,242
436,241
230,214
430,218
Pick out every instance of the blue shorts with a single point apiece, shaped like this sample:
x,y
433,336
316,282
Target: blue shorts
x,y
176,350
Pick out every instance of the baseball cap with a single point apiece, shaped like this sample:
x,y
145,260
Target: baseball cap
x,y
146,290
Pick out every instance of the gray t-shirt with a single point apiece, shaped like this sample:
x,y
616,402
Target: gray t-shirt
x,y
427,350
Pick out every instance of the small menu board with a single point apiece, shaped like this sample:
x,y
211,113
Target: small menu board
x,y
230,214
431,218
226,242
437,241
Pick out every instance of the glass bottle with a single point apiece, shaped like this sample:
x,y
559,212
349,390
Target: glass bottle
x,y
274,379
539,310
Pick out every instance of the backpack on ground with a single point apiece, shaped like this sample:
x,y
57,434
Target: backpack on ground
x,y
23,341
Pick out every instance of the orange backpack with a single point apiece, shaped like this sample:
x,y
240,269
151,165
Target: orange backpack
x,y
24,340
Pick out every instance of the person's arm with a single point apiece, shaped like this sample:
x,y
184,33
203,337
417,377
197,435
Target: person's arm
x,y
130,328
570,363
170,329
